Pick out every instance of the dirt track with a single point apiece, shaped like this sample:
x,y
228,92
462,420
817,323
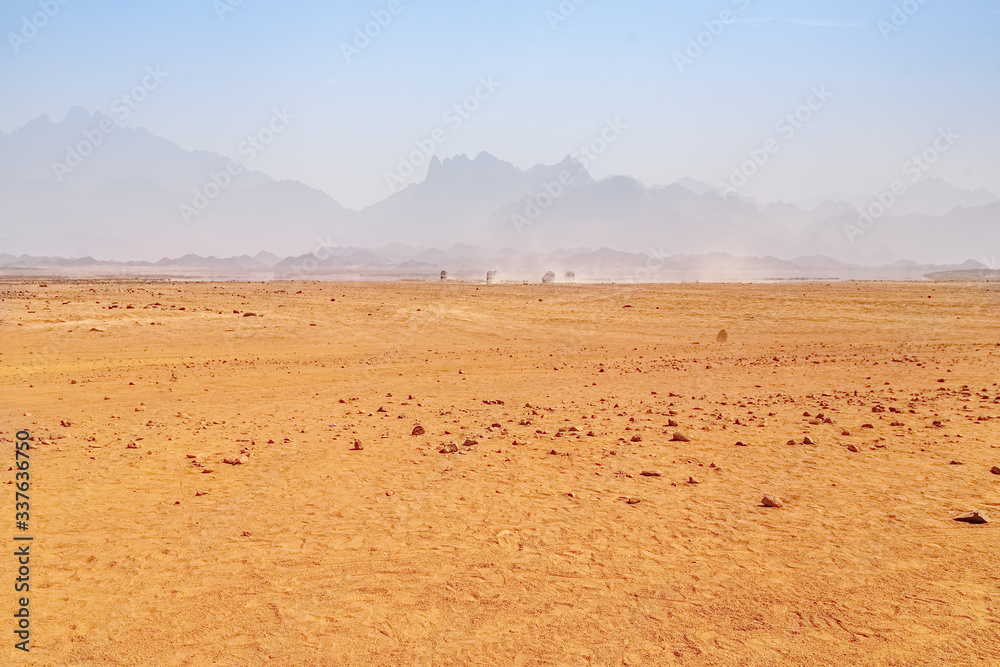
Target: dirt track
x,y
521,549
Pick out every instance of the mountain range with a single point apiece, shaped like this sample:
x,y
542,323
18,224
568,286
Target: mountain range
x,y
85,187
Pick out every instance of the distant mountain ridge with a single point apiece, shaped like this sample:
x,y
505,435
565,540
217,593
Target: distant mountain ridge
x,y
471,263
135,195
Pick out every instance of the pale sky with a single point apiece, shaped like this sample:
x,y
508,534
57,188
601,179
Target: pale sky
x,y
558,78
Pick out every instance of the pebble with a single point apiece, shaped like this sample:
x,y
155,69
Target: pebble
x,y
808,441
672,423
995,470
634,501
680,437
722,337
650,473
740,443
417,430
771,501
853,448
692,480
357,447
845,432
450,448
973,517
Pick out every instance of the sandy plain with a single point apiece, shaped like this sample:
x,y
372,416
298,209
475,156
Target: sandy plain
x,y
521,549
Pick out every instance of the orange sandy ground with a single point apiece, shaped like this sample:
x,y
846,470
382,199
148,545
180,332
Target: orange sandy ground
x,y
504,553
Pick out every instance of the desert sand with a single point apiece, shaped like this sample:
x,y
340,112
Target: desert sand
x,y
541,544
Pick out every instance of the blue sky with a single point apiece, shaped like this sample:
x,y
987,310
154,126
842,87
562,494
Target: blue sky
x,y
559,83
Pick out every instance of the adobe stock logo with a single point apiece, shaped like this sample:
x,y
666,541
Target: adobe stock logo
x,y
249,150
787,127
122,107
455,117
30,26
370,31
916,168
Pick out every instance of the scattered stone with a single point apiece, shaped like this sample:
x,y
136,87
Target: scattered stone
x,y
380,409
808,441
845,432
249,314
790,442
680,437
672,422
469,442
417,430
956,463
867,426
236,460
853,448
976,517
132,445
771,501
450,448
995,470
633,501
591,434
815,421
740,443
357,446
650,473
65,423
636,438
722,337
200,493
692,480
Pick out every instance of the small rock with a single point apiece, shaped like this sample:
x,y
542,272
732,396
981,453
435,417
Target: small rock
x,y
692,480
469,443
450,448
814,421
633,501
65,423
722,337
249,314
357,446
867,426
771,501
845,432
808,441
956,463
636,438
680,437
650,473
976,517
417,430
740,443
853,448
995,470
672,423
790,442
